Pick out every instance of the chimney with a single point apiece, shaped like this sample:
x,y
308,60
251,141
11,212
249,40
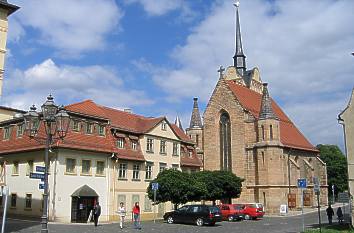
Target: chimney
x,y
128,110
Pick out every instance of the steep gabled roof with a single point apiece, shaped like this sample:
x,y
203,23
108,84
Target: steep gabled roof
x,y
180,134
290,136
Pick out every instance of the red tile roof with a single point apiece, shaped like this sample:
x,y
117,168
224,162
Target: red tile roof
x,y
290,136
181,135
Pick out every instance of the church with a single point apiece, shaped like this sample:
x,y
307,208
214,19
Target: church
x,y
245,131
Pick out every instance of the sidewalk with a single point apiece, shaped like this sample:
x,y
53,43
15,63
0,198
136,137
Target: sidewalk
x,y
307,210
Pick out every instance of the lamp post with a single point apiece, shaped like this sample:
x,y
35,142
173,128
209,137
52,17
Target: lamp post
x,y
56,123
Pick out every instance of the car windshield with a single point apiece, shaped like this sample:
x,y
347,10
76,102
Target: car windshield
x,y
183,208
260,206
238,207
253,206
214,209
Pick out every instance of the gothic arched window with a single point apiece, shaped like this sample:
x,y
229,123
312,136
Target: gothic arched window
x,y
225,142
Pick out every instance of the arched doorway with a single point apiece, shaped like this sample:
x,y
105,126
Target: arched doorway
x,y
83,200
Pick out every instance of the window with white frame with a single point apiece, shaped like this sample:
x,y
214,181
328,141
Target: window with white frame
x,y
100,168
28,201
175,166
163,166
162,147
85,166
6,133
15,168
89,128
175,149
134,144
122,171
163,125
148,171
29,167
136,171
150,145
20,130
101,130
120,143
70,165
76,125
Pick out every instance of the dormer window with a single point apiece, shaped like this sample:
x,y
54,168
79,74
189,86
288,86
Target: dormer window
x,y
120,143
20,130
76,125
89,128
7,133
101,130
134,144
163,126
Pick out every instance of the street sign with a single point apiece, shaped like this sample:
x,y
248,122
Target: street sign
x,y
343,197
301,183
40,169
36,175
41,186
316,185
155,186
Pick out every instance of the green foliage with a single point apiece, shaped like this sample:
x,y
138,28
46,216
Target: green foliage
x,y
179,187
337,172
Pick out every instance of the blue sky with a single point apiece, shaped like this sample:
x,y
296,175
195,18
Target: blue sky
x,y
154,56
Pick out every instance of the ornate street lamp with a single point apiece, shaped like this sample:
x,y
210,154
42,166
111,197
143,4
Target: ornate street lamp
x,y
56,123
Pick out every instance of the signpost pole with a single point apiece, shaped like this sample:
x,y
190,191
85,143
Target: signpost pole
x,y
5,192
154,205
319,210
333,198
302,210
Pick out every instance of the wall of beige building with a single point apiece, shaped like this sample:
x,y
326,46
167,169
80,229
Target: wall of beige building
x,y
348,126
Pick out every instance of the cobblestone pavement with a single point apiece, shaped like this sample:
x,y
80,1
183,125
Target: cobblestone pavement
x,y
268,224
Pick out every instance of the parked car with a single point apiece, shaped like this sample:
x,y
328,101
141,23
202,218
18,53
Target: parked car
x,y
194,214
253,211
232,212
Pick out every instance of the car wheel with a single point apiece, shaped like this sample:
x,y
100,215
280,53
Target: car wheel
x,y
247,217
230,218
169,220
199,222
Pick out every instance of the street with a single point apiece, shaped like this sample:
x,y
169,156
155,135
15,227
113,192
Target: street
x,y
268,224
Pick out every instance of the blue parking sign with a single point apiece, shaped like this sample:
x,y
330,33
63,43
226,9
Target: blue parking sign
x,y
155,186
301,183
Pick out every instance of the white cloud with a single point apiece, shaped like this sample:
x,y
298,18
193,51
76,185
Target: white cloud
x,y
70,26
301,47
161,7
69,84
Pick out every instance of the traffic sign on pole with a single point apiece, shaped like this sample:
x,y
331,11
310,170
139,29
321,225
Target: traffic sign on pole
x,y
154,186
301,183
36,175
40,169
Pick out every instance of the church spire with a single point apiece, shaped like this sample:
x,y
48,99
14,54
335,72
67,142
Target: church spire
x,y
178,123
239,57
266,105
196,121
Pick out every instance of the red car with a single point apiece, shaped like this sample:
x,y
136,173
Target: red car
x,y
232,212
253,211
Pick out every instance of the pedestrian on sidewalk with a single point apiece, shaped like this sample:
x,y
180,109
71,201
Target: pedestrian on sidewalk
x,y
340,215
96,212
136,216
121,212
330,214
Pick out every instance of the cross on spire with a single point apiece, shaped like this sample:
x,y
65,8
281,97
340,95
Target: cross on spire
x,y
221,71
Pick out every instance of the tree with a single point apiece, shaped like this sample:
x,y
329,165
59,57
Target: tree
x,y
219,184
177,187
337,172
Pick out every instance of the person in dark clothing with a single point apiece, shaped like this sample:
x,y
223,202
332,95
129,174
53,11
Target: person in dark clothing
x,y
340,215
96,213
330,214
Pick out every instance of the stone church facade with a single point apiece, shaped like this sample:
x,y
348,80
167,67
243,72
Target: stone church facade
x,y
246,132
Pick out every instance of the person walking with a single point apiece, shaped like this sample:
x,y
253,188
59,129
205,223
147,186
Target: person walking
x,y
330,214
340,215
121,212
96,212
136,216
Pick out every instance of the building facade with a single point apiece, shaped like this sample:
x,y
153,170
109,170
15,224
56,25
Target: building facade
x,y
108,156
246,132
346,118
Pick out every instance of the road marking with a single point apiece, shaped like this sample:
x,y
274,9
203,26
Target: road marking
x,y
23,220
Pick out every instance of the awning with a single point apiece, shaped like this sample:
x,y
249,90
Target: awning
x,y
84,191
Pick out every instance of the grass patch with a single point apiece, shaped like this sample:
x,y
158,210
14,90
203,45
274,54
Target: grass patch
x,y
332,229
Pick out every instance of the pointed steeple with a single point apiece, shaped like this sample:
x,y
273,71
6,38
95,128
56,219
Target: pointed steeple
x,y
196,121
266,105
239,57
178,123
